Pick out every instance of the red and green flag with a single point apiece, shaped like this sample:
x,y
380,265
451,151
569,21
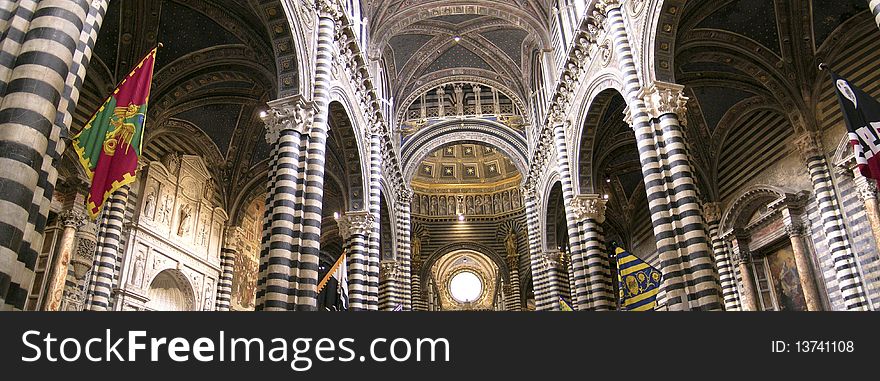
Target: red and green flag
x,y
109,146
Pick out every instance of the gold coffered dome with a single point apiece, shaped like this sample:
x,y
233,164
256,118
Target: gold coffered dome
x,y
471,164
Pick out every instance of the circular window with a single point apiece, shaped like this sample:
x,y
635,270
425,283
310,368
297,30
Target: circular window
x,y
465,287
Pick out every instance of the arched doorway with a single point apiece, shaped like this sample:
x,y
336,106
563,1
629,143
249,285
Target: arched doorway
x,y
170,291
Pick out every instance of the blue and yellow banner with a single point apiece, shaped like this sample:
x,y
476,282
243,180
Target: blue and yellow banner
x,y
564,306
639,282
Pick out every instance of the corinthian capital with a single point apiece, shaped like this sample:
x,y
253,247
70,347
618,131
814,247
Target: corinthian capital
x,y
355,223
589,207
810,145
72,219
327,8
291,113
712,212
405,195
663,98
390,270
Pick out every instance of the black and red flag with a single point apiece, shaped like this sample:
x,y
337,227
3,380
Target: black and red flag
x,y
862,114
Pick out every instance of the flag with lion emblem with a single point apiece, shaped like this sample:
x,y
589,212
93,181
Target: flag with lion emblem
x,y
109,146
639,282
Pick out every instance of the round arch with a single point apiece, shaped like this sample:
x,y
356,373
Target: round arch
x,y
748,202
499,261
170,290
419,146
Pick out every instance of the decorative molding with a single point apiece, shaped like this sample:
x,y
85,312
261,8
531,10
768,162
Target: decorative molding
x,y
810,145
291,113
361,223
663,98
712,212
72,219
589,207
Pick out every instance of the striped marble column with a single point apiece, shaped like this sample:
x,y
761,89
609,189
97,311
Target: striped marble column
x,y
578,263
874,5
33,84
389,293
16,25
726,272
845,263
304,279
690,280
232,247
404,250
374,137
108,252
544,301
556,273
512,295
355,228
287,122
419,303
596,290
7,12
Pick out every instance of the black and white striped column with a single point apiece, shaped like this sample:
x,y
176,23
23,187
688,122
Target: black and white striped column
x,y
726,271
544,301
512,298
404,250
287,124
389,290
579,268
690,281
374,202
355,229
874,5
105,269
232,247
32,77
596,290
304,279
845,263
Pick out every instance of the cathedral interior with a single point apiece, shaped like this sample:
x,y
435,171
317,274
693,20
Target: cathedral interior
x,y
463,155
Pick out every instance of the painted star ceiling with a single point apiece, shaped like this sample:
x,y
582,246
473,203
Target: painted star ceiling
x,y
425,40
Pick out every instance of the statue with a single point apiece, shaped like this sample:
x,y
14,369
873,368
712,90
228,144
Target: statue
x,y
416,248
165,209
185,215
136,276
150,205
510,243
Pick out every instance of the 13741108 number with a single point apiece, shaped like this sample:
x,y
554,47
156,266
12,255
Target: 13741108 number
x,y
826,346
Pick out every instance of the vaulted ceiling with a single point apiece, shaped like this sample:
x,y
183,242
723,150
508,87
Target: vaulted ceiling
x,y
425,40
750,69
212,77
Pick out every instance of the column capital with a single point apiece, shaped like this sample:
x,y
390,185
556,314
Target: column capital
x,y
72,219
552,259
355,223
405,195
291,113
796,229
866,188
712,212
810,145
234,237
557,117
327,8
663,98
390,269
606,5
589,207
375,128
